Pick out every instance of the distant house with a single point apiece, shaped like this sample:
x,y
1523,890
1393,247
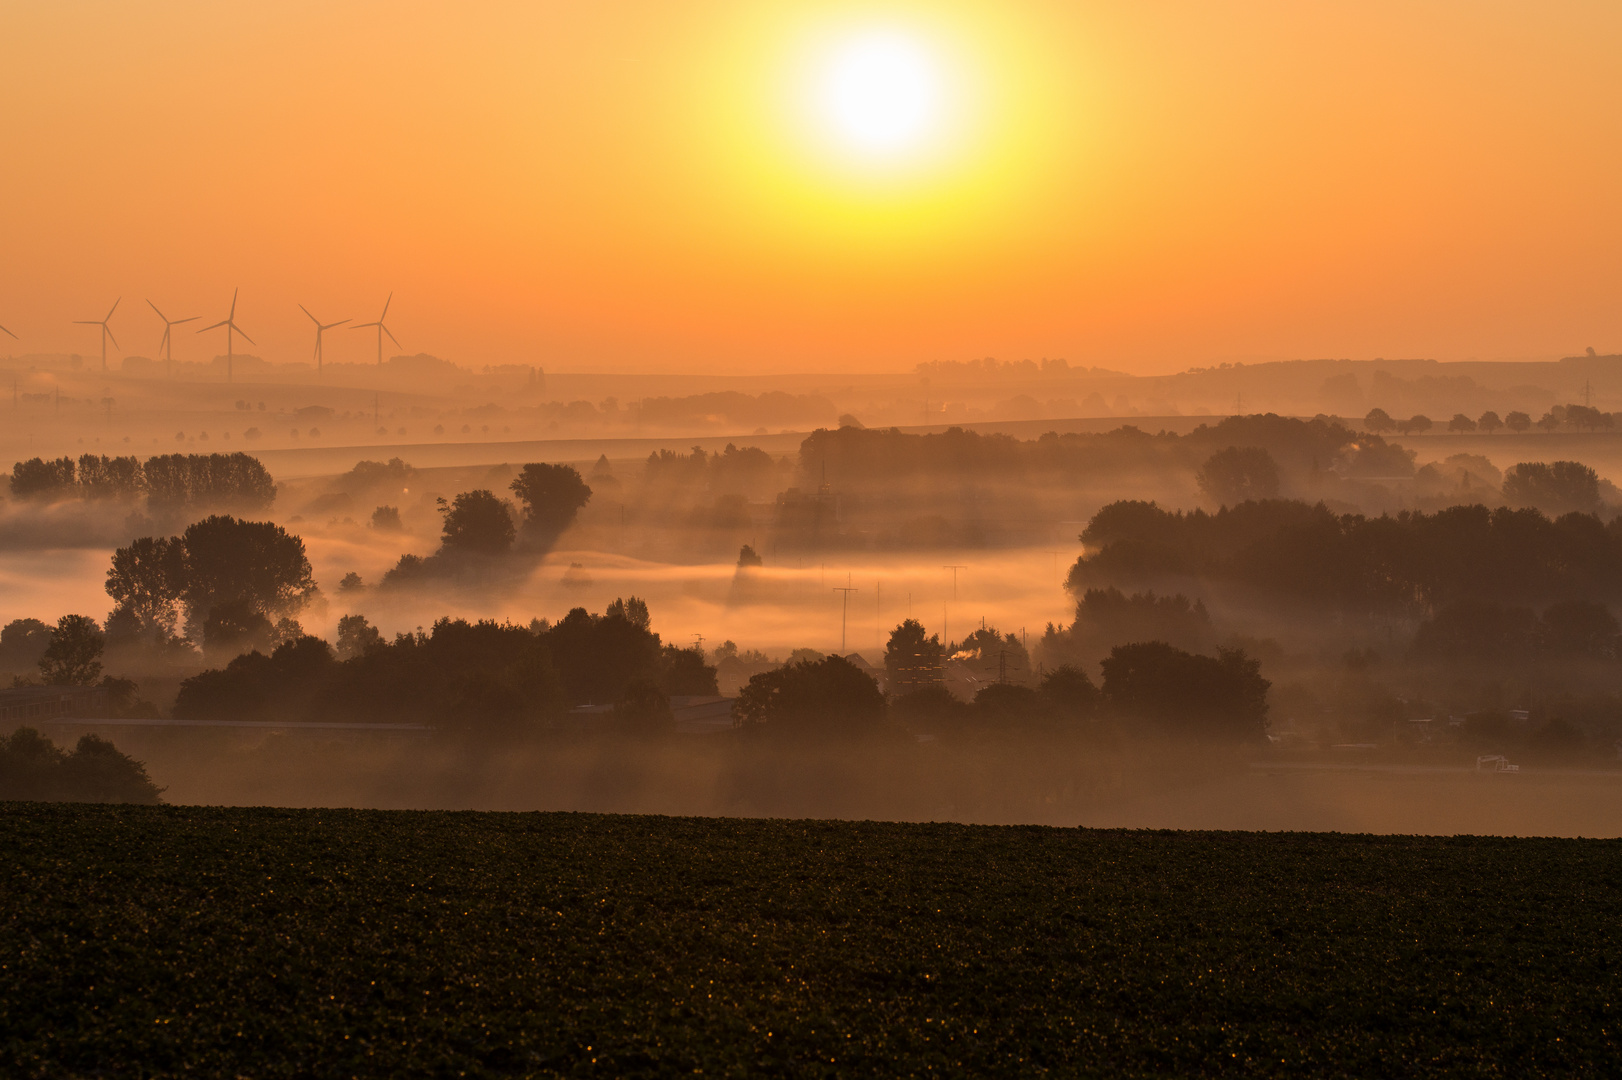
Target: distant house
x,y
37,704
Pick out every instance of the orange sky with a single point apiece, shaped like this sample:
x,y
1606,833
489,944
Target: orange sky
x,y
620,186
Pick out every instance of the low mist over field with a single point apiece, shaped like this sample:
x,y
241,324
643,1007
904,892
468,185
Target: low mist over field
x,y
1258,620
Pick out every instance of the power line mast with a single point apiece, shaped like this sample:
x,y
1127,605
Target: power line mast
x,y
844,612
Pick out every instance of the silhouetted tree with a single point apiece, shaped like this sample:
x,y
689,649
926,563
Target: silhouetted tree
x,y
477,522
599,655
826,697
1418,425
685,672
992,655
355,636
224,481
1068,694
1153,684
1379,422
912,661
1461,424
22,643
1239,474
33,768
102,477
73,657
633,610
1517,422
256,565
552,496
747,557
235,626
1558,488
147,581
1489,422
40,479
1549,422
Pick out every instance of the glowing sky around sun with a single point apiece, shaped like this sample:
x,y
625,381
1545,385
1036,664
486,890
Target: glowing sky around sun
x,y
736,187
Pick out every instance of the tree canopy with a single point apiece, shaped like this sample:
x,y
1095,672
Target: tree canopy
x,y
552,496
255,567
812,698
1220,698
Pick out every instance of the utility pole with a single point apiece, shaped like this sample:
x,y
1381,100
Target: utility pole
x,y
1055,555
844,611
954,569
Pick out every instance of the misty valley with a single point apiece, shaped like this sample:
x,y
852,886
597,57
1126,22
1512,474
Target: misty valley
x,y
1263,621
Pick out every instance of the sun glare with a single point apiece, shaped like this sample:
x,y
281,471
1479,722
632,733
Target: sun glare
x,y
880,93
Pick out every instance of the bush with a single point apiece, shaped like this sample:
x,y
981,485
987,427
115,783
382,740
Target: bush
x,y
33,768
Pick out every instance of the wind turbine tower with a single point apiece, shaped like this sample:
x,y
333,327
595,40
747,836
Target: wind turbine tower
x,y
381,330
320,328
105,331
167,345
231,327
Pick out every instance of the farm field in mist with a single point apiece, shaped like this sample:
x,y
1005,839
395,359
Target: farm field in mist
x,y
278,942
1064,783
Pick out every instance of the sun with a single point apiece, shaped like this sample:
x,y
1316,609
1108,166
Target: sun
x,y
880,93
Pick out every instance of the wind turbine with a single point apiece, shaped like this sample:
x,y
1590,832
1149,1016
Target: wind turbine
x,y
381,330
319,329
231,327
105,332
13,337
168,342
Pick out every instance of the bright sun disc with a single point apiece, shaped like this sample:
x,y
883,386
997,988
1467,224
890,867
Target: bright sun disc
x,y
880,93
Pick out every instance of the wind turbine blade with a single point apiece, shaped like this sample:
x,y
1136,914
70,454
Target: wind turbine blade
x,y
188,318
364,325
108,330
238,329
87,322
234,303
112,309
391,336
216,326
306,311
10,334
164,340
161,315
330,325
386,304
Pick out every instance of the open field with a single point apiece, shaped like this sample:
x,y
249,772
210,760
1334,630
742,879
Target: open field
x,y
164,940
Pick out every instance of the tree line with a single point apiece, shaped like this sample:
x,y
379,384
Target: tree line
x,y
1576,417
1148,687
1405,564
482,679
177,481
